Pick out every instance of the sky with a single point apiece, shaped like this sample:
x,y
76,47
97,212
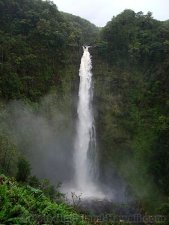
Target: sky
x,y
100,12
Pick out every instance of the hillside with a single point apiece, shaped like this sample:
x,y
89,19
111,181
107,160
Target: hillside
x,y
34,44
40,52
87,33
131,76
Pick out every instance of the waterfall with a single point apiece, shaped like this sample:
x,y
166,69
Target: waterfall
x,y
85,156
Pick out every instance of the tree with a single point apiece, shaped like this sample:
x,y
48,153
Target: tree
x,y
24,170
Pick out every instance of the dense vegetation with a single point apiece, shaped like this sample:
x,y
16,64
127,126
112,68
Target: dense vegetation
x,y
27,205
33,40
40,53
86,33
133,104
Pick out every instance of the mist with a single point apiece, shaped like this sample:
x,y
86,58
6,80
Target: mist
x,y
44,135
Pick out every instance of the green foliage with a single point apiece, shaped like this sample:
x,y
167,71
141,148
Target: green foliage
x,y
82,31
8,154
135,38
35,40
39,52
131,63
51,191
26,205
24,170
8,149
163,210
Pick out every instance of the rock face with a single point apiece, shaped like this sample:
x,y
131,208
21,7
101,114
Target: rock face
x,y
108,211
97,206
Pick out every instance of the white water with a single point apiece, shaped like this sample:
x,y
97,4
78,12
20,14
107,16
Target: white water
x,y
85,157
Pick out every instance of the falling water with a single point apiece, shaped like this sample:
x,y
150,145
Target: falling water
x,y
85,143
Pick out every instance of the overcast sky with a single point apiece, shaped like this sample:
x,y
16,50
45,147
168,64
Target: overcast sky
x,y
100,12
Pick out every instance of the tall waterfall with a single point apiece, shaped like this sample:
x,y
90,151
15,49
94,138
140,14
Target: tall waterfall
x,y
85,157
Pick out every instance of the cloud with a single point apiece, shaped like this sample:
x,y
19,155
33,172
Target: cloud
x,y
101,11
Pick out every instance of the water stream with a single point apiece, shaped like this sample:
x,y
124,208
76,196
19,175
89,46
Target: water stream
x,y
85,156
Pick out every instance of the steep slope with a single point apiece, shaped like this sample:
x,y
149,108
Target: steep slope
x,y
131,76
35,40
86,32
